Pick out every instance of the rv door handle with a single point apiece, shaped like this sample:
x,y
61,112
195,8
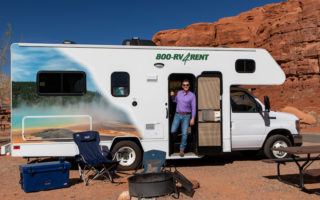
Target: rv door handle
x,y
167,113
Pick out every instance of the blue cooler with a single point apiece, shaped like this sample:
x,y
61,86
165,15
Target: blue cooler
x,y
44,176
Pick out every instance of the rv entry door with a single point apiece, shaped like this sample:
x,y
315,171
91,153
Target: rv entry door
x,y
209,95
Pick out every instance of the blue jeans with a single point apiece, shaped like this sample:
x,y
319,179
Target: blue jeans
x,y
184,121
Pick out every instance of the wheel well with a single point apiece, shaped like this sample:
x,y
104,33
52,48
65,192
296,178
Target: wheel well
x,y
133,139
283,132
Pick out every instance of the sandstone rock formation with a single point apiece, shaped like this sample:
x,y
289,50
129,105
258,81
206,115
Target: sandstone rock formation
x,y
290,31
4,90
304,118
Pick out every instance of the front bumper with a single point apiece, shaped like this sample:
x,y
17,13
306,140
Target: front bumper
x,y
297,140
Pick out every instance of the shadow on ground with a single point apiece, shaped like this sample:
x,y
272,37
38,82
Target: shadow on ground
x,y
219,159
293,180
75,181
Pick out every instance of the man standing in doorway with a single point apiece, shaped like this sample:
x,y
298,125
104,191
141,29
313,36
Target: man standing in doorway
x,y
185,112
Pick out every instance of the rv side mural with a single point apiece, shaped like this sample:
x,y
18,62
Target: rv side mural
x,y
54,118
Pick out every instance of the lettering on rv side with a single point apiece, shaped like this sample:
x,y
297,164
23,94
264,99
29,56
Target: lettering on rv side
x,y
183,57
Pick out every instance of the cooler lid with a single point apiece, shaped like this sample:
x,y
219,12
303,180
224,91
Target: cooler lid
x,y
45,166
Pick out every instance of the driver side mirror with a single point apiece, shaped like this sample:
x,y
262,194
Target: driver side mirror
x,y
267,103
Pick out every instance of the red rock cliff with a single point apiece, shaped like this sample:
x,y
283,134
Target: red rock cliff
x,y
290,31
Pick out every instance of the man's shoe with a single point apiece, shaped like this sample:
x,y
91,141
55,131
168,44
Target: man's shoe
x,y
181,154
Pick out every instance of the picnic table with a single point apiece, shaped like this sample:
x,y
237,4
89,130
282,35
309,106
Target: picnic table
x,y
302,163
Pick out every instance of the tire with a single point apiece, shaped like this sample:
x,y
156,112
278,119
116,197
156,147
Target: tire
x,y
128,154
276,141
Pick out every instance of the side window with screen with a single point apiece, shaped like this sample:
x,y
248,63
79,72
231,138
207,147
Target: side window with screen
x,y
245,66
120,84
56,83
242,102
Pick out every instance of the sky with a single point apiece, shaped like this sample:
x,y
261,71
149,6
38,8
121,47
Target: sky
x,y
109,22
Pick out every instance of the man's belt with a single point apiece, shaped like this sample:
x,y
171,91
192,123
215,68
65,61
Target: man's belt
x,y
183,113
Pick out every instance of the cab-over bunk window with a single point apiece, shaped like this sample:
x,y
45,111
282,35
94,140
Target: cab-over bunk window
x,y
245,66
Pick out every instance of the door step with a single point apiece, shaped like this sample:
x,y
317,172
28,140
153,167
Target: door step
x,y
186,156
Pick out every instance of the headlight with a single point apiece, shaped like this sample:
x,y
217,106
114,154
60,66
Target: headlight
x,y
298,125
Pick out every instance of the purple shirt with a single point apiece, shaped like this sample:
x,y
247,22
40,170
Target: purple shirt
x,y
185,102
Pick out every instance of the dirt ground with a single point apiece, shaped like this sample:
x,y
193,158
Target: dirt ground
x,y
232,176
228,176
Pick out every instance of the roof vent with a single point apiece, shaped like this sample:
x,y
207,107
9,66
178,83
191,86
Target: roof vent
x,y
136,41
68,42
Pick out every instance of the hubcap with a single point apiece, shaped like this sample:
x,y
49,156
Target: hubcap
x,y
126,156
277,144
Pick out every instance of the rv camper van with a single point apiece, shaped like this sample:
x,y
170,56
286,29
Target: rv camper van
x,y
123,92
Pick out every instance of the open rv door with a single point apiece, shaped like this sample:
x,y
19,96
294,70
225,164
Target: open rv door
x,y
209,121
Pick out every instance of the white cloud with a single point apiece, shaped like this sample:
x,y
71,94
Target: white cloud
x,y
20,74
59,64
18,57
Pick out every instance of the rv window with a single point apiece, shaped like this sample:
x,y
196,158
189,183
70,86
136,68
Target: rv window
x,y
245,66
61,83
120,84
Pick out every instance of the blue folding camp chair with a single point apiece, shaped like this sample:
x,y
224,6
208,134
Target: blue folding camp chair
x,y
153,161
93,163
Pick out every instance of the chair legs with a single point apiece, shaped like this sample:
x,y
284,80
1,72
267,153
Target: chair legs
x,y
87,172
84,174
110,177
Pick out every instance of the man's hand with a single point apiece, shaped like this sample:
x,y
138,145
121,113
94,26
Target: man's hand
x,y
192,122
172,93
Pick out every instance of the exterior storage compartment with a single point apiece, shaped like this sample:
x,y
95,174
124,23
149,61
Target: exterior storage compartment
x,y
44,176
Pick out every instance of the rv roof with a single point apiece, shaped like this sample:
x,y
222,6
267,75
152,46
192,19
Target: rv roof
x,y
134,47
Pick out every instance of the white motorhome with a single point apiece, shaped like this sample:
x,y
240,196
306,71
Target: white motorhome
x,y
123,93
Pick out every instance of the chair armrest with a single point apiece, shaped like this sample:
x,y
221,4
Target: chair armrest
x,y
106,152
78,158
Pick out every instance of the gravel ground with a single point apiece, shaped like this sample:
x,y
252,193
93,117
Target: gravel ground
x,y
221,177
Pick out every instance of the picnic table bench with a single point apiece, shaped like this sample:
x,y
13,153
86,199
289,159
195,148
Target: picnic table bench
x,y
302,162
283,161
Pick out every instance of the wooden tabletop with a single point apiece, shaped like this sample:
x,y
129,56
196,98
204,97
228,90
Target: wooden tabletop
x,y
299,150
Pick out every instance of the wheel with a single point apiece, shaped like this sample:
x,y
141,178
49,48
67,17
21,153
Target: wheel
x,y
128,154
276,141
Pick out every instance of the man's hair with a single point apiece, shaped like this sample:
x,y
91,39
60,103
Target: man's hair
x,y
185,80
